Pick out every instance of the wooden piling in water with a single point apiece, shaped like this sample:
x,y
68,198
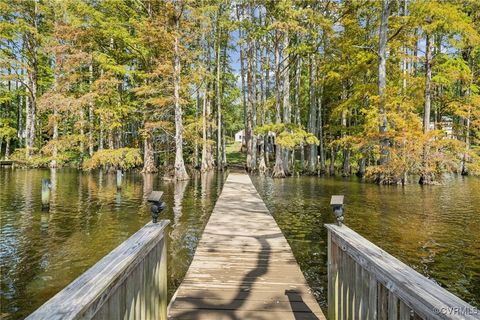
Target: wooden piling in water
x,y
119,179
46,191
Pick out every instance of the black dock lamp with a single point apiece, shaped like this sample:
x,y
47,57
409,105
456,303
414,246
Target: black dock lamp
x,y
155,198
337,206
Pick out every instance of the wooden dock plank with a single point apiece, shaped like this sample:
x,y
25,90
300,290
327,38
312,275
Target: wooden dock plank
x,y
243,267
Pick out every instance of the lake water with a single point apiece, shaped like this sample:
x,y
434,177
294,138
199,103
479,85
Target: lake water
x,y
434,229
43,251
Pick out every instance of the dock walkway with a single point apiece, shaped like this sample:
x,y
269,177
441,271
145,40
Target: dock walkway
x,y
243,267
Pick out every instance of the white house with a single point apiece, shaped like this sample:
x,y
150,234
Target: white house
x,y
446,125
240,136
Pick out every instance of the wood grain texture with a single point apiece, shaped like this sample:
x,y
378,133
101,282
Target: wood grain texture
x,y
393,290
119,285
243,267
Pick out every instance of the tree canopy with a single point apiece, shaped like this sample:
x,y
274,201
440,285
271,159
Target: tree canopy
x,y
382,89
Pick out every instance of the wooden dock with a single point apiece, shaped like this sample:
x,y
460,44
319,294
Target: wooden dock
x,y
243,267
7,162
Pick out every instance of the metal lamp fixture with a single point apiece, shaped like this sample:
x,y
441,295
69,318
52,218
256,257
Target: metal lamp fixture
x,y
155,198
337,206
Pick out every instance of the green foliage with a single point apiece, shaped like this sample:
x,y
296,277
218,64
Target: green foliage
x,y
123,158
42,160
288,136
7,132
36,161
105,78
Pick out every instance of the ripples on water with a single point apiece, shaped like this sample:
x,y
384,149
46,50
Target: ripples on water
x,y
434,229
43,251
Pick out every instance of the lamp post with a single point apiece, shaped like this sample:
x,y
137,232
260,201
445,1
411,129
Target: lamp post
x,y
337,206
157,205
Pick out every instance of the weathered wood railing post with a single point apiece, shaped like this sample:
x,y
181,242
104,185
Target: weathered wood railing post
x,y
129,283
365,282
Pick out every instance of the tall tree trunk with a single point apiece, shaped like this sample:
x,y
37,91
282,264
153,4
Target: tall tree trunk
x,y
180,171
210,159
82,136
148,152
361,167
254,142
404,59
205,166
267,96
224,150
250,104
7,148
262,166
415,54
111,144
56,68
242,75
20,121
322,168
218,95
53,162
346,152
224,71
468,120
426,176
207,159
312,114
333,152
31,112
428,83
195,150
346,168
32,83
101,136
382,81
278,169
91,125
286,97
298,120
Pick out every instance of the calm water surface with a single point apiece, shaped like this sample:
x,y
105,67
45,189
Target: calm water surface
x,y
43,251
434,229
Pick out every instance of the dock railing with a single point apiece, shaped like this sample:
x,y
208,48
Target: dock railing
x,y
365,282
129,283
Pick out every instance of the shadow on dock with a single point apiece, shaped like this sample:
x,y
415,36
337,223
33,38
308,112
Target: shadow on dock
x,y
243,266
225,309
298,305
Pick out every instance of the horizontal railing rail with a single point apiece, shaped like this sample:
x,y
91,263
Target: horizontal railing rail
x,y
128,283
365,282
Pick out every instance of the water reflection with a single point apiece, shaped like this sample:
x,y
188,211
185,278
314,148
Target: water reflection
x,y
434,229
179,192
42,251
